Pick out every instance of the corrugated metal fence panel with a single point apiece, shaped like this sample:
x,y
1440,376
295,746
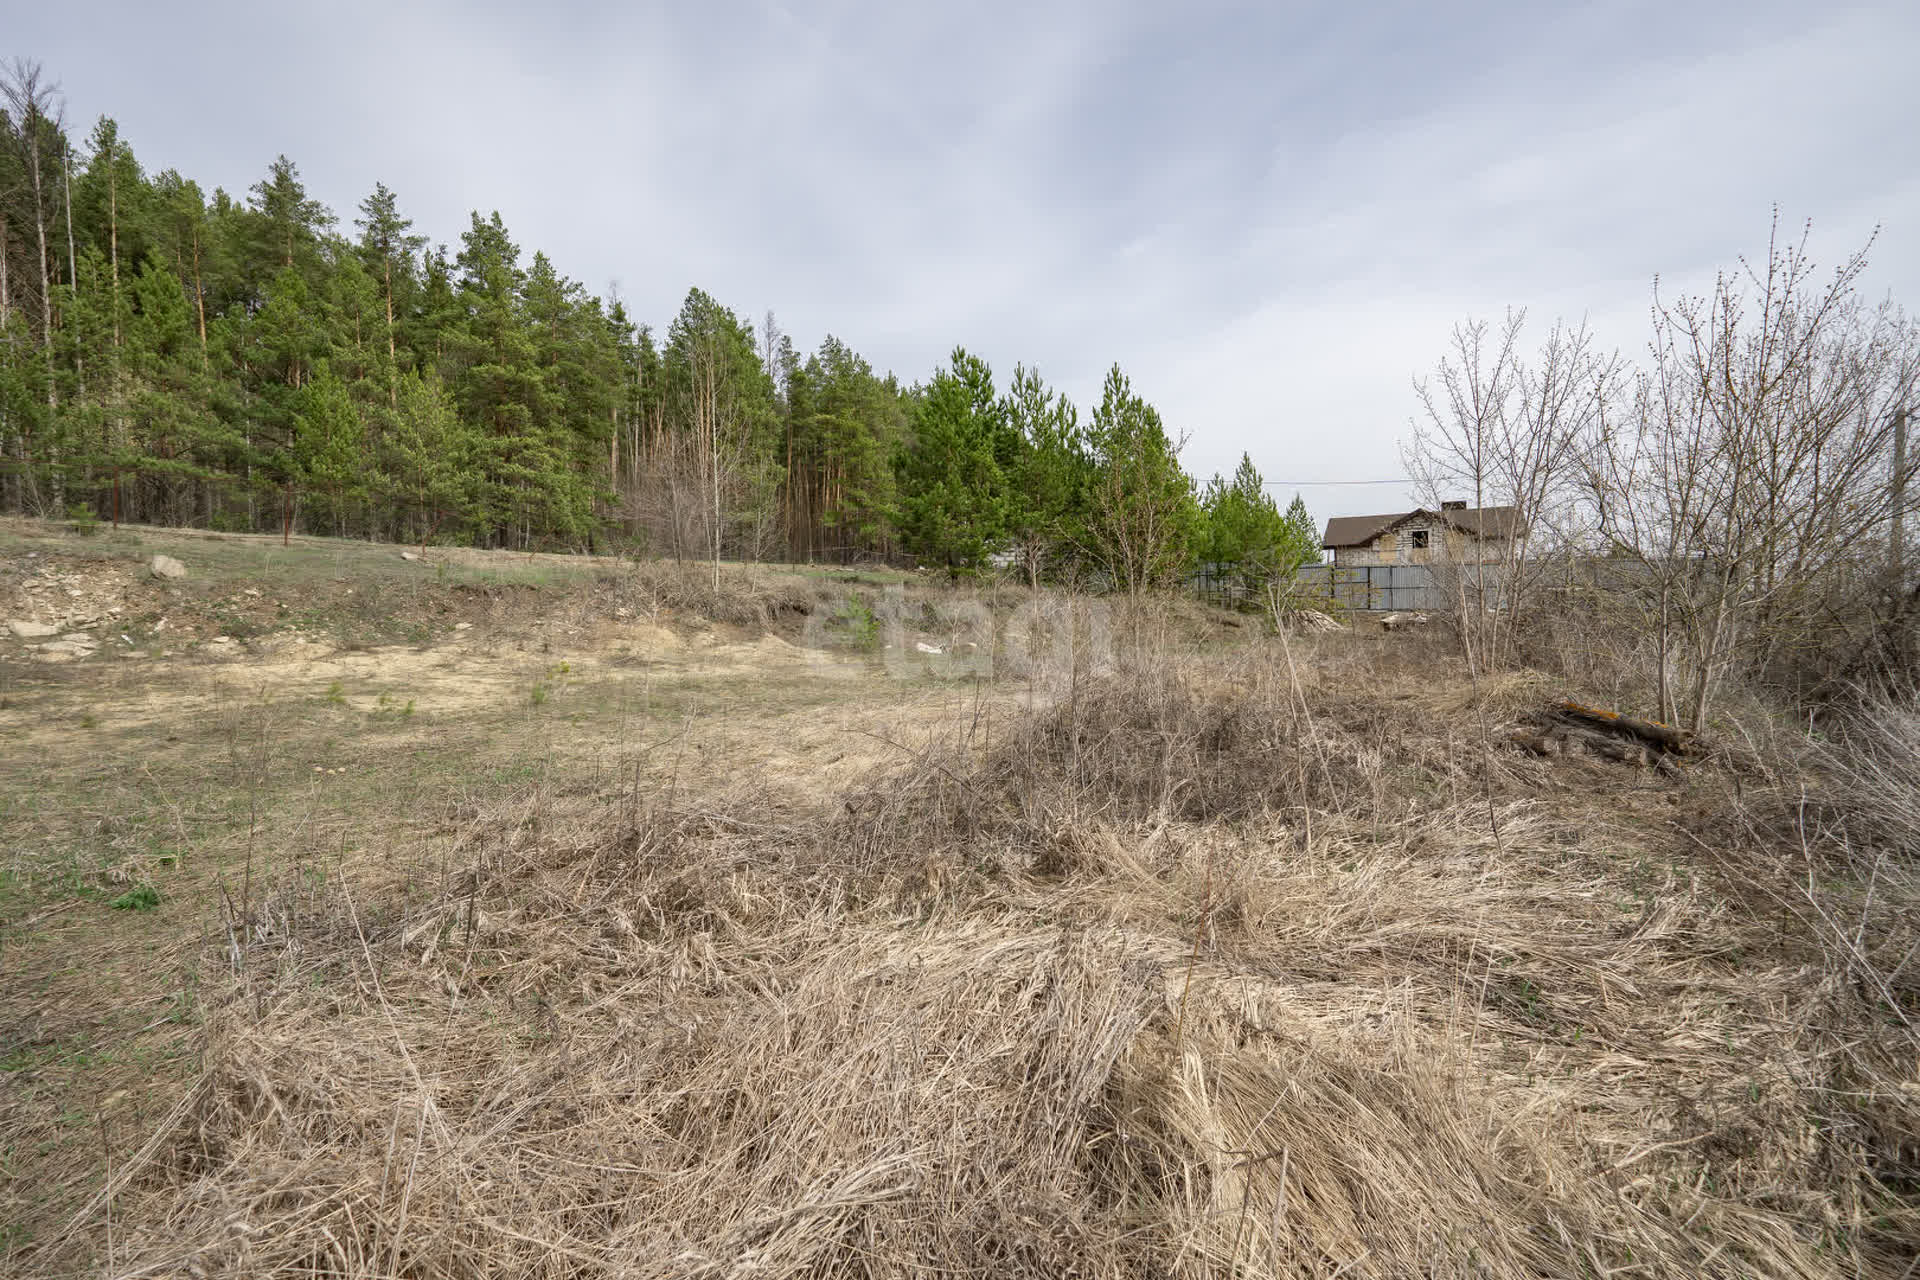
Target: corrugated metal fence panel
x,y
1396,588
1380,588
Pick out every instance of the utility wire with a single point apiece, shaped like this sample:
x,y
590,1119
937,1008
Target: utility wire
x,y
1321,484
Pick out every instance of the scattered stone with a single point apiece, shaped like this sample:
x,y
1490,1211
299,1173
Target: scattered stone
x,y
924,647
31,630
463,626
68,648
223,639
78,637
409,555
167,567
251,591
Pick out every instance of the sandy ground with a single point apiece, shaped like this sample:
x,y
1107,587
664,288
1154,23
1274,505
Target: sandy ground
x,y
172,754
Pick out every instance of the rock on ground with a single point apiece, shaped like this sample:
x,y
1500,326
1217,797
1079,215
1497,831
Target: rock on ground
x,y
167,567
31,630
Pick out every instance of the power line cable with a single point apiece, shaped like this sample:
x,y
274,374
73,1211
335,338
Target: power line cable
x,y
1321,484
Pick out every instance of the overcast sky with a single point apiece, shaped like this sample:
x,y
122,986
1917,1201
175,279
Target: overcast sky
x,y
1269,214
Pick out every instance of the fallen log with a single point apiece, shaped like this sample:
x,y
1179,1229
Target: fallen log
x,y
1677,741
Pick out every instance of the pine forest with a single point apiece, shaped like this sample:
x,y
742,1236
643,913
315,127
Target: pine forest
x,y
258,363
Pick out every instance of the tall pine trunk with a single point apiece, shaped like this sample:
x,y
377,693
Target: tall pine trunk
x,y
200,299
113,238
393,359
32,125
6,303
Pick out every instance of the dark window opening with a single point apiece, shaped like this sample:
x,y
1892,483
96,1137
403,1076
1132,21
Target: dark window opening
x,y
1420,539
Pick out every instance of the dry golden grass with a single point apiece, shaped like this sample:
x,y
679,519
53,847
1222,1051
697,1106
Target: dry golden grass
x,y
1259,965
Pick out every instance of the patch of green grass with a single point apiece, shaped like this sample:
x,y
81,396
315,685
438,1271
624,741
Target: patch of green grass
x,y
142,897
12,889
854,624
388,707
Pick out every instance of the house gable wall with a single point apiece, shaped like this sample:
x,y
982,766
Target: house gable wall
x,y
1444,544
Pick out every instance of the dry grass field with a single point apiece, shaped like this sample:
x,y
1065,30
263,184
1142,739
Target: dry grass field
x,y
493,915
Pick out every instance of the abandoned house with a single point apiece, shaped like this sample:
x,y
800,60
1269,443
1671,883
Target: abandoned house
x,y
1454,534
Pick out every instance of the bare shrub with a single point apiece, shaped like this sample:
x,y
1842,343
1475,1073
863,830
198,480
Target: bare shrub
x,y
746,596
1509,429
1738,492
1749,471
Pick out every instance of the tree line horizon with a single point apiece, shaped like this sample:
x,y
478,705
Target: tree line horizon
x,y
250,364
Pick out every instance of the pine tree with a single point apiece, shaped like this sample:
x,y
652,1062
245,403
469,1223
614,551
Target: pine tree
x,y
1243,528
1299,538
176,449
490,359
387,248
287,224
181,230
846,425
430,460
719,401
953,490
272,357
114,212
1048,479
1141,513
329,446
577,367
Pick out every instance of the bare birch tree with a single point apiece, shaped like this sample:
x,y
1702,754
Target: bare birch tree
x,y
1508,429
35,107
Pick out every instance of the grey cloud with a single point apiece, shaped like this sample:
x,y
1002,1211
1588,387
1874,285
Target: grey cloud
x,y
1270,215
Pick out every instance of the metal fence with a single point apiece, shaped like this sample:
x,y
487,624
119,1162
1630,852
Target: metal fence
x,y
1383,588
1397,588
1414,588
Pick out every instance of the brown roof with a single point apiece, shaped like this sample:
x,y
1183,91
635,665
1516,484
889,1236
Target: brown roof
x,y
1358,531
1480,522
